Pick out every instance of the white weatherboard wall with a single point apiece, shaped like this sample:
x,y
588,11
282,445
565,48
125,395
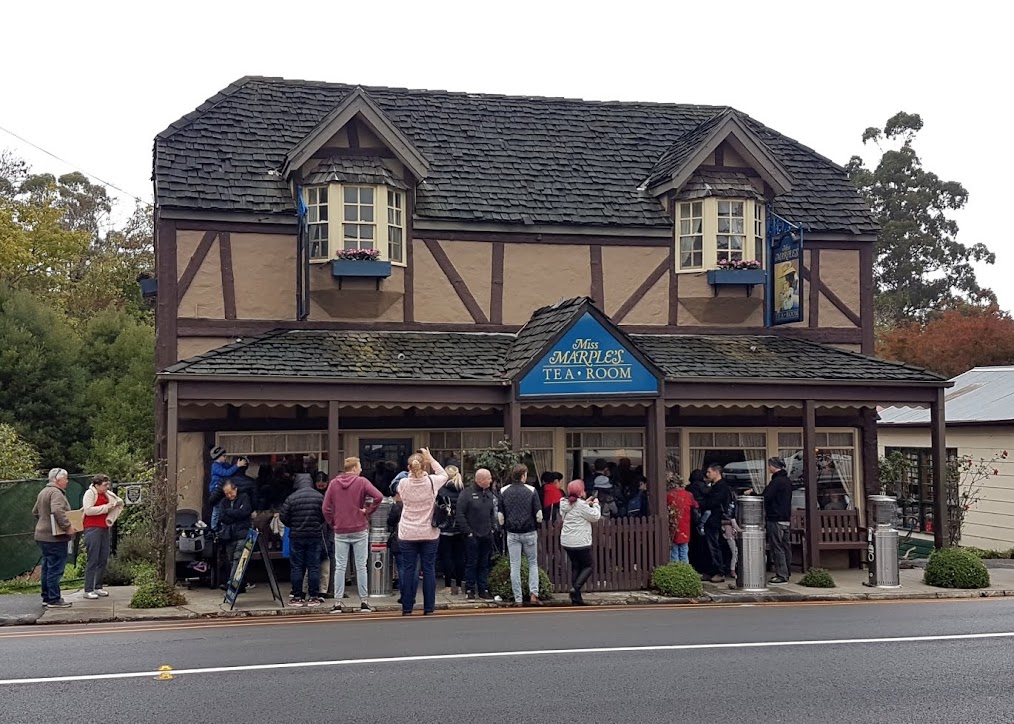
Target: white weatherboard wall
x,y
990,523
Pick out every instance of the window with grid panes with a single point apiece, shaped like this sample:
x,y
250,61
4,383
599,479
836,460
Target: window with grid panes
x,y
731,238
837,471
359,227
758,232
586,446
317,220
395,226
691,236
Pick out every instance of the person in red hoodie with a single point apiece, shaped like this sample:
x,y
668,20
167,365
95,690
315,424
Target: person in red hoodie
x,y
682,505
348,514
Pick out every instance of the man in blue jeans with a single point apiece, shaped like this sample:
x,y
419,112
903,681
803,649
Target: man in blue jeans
x,y
520,517
53,534
302,514
348,514
476,506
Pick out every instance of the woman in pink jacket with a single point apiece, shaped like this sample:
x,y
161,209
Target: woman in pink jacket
x,y
417,538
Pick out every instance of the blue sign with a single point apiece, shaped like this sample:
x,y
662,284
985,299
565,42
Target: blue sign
x,y
784,301
588,360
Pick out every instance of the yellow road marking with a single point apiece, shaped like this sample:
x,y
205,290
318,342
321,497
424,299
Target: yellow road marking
x,y
287,620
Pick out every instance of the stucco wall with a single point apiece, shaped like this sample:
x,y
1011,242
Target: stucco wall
x,y
990,523
540,274
190,470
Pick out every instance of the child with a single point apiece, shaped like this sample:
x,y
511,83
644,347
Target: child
x,y
682,509
220,472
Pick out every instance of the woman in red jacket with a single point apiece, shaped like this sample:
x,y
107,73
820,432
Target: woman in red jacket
x,y
681,505
552,494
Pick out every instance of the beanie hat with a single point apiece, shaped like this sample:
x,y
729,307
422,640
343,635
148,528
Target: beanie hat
x,y
776,463
217,452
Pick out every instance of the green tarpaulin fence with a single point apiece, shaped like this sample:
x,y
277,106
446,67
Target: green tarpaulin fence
x,y
19,553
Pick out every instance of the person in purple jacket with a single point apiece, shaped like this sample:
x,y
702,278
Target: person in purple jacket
x,y
220,472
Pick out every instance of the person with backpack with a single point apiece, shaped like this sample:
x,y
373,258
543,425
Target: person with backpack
x,y
520,516
452,545
578,514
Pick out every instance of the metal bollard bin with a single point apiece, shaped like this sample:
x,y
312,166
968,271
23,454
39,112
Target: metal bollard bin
x,y
750,571
378,566
882,543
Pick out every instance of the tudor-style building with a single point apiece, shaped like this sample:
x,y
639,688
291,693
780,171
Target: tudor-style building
x,y
559,272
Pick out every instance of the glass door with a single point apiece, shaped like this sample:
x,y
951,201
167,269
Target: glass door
x,y
383,459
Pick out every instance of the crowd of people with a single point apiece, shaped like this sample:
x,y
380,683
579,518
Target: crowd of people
x,y
704,526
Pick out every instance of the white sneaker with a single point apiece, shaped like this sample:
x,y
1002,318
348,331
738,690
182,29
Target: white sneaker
x,y
92,595
102,592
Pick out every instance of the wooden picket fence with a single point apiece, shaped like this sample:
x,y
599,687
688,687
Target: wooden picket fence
x,y
625,551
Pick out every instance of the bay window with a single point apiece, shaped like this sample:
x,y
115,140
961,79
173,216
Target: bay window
x,y
359,223
714,230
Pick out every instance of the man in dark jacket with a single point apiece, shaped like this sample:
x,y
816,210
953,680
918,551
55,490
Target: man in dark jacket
x,y
476,511
521,513
778,512
716,502
234,516
302,514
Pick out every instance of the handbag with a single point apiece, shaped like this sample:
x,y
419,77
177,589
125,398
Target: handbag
x,y
441,517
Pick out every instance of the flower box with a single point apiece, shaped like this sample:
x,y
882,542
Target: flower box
x,y
748,278
364,269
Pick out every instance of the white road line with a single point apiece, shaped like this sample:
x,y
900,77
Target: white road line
x,y
510,654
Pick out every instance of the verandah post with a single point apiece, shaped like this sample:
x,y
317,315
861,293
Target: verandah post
x,y
813,531
334,464
655,429
938,432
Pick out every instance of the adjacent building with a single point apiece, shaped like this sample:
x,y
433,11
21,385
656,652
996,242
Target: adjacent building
x,y
363,271
980,428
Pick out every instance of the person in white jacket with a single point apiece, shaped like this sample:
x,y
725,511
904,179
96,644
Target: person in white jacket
x,y
101,509
578,513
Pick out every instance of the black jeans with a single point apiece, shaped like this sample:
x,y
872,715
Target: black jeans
x,y
304,556
452,556
580,567
477,553
713,536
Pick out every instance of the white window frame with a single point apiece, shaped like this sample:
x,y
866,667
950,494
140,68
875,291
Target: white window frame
x,y
314,207
358,219
395,225
690,228
725,238
709,220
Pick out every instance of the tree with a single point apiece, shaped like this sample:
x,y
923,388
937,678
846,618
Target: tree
x,y
954,341
118,356
40,377
18,459
920,263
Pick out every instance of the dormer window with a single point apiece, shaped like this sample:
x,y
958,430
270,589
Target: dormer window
x,y
359,225
713,230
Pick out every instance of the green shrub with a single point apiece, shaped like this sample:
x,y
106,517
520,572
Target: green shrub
x,y
988,554
500,580
122,572
142,573
136,547
955,568
76,571
677,580
817,578
156,594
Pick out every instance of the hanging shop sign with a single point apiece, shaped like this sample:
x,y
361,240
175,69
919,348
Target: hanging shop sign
x,y
588,360
784,300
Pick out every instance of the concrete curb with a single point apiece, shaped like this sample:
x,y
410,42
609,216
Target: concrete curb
x,y
633,600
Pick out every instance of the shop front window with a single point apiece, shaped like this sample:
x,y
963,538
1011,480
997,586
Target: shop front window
x,y
915,492
672,452
837,483
622,451
743,455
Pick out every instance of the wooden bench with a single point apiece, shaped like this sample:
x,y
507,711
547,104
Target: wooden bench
x,y
839,531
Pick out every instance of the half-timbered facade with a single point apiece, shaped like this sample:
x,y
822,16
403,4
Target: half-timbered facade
x,y
667,284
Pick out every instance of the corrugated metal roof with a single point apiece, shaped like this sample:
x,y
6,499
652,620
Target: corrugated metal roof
x,y
985,394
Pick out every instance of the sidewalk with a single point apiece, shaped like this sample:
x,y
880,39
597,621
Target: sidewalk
x,y
206,603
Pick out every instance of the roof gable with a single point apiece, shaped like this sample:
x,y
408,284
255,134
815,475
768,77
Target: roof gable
x,y
688,152
357,104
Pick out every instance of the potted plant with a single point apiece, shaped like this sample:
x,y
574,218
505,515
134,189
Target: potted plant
x,y
360,263
738,272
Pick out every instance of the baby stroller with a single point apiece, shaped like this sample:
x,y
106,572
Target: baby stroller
x,y
194,549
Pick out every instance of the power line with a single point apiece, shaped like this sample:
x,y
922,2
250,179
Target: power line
x,y
74,166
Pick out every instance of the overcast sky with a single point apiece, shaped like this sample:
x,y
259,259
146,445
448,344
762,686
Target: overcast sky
x,y
94,82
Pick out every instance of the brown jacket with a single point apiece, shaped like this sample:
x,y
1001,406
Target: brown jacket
x,y
52,500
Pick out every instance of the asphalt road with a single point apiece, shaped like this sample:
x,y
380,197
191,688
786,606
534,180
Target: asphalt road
x,y
770,663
